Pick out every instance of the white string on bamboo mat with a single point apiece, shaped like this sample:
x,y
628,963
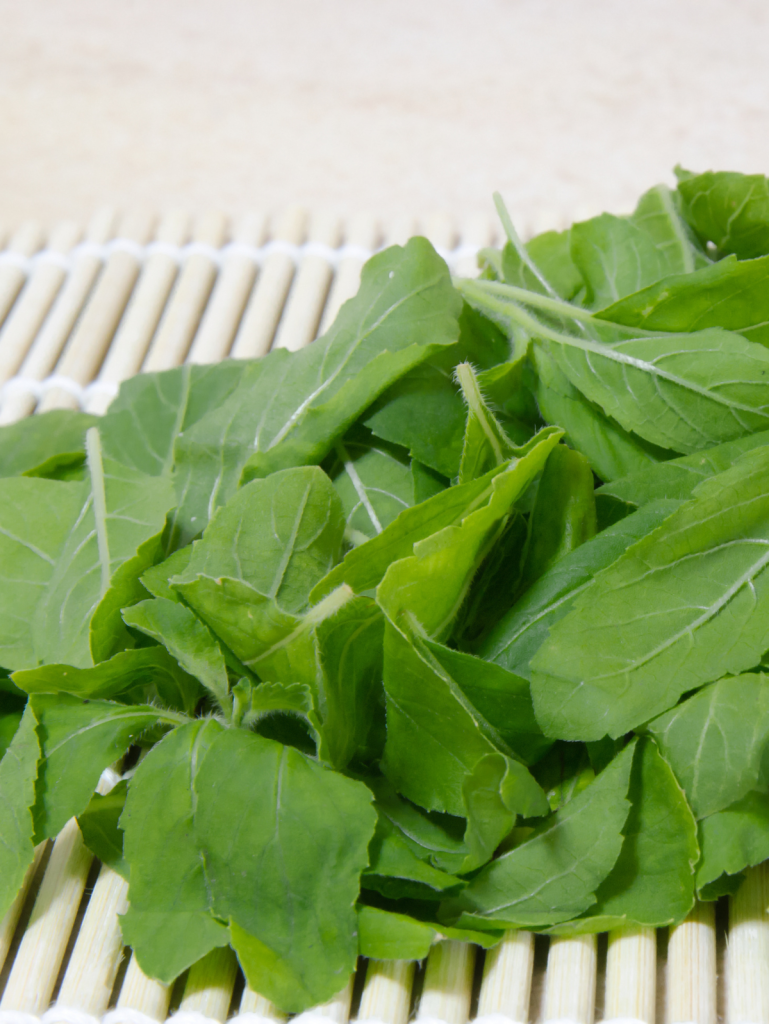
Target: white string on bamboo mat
x,y
39,388
181,253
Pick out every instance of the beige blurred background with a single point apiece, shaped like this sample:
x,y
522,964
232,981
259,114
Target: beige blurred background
x,y
392,106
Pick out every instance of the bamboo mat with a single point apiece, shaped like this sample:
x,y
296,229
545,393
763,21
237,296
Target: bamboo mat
x,y
82,310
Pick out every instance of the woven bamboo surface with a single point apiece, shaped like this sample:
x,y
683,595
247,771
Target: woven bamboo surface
x,y
82,310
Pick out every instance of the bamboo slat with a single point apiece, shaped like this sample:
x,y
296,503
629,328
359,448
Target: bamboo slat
x,y
88,345
11,919
506,984
47,347
236,279
691,968
25,242
570,980
448,983
141,994
42,287
386,992
189,298
336,1010
631,975
304,308
262,315
252,1003
143,313
747,964
210,985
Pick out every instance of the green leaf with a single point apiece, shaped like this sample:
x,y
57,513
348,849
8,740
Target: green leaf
x,y
391,857
169,922
290,408
156,578
519,634
101,832
144,672
151,409
551,254
616,257
730,294
11,713
277,536
680,391
652,883
659,215
78,740
675,479
38,445
294,929
18,772
563,517
430,585
564,771
611,451
715,740
682,607
383,935
734,838
553,875
435,738
503,699
187,639
730,210
373,478
70,554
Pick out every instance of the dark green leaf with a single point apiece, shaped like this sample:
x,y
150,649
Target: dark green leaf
x,y
294,929
730,210
734,839
682,607
18,771
383,935
101,832
44,442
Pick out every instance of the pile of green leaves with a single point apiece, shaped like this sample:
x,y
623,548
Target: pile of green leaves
x,y
451,623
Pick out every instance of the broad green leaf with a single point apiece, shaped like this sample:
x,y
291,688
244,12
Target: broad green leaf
x,y
144,672
680,391
485,445
430,585
186,638
659,215
652,882
730,210
563,517
151,409
71,553
616,257
682,607
254,702
101,832
156,578
285,868
364,566
18,771
503,699
169,922
290,408
435,737
611,451
551,254
734,838
384,935
675,479
373,479
391,858
436,839
426,482
553,875
38,445
78,740
715,740
278,536
519,634
730,294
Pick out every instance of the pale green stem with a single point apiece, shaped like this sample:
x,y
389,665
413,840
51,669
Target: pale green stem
x,y
96,470
514,240
469,384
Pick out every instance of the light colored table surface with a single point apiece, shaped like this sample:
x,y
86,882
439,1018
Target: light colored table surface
x,y
567,106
